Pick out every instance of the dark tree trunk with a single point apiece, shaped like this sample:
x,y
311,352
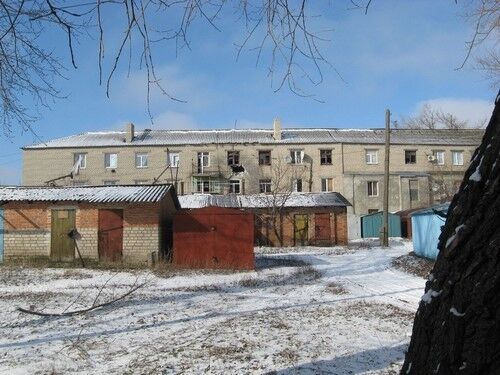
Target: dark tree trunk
x,y
457,325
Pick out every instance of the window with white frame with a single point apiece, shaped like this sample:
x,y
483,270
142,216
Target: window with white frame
x,y
265,186
81,159
141,160
371,156
297,185
173,159
296,156
458,157
372,188
439,156
327,184
203,160
235,186
110,160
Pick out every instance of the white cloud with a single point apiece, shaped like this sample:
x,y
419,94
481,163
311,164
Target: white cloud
x,y
131,90
471,110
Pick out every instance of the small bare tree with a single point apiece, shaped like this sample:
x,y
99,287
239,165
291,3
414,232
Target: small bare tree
x,y
283,175
433,118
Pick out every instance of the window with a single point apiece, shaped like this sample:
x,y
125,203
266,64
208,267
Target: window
x,y
110,182
110,160
373,188
325,157
439,155
235,186
372,210
265,186
203,161
371,156
457,157
264,157
81,159
203,186
233,158
79,183
173,159
296,156
327,184
413,190
410,157
141,182
297,185
141,160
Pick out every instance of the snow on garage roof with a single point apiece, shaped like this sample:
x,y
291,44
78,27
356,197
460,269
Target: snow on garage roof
x,y
91,194
163,137
264,200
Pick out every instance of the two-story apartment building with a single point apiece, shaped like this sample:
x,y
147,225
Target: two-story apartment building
x,y
425,165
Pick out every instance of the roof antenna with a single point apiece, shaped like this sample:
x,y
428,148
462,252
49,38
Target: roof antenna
x,y
235,122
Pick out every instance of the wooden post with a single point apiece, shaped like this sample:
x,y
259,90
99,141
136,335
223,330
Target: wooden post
x,y
384,233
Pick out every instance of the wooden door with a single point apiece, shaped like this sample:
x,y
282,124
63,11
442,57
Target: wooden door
x,y
322,229
301,229
110,235
62,247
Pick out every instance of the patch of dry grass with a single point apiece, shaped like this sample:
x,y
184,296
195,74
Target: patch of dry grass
x,y
414,265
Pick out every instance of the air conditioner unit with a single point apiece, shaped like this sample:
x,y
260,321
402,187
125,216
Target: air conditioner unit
x,y
431,158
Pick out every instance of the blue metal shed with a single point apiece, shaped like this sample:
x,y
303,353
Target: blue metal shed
x,y
1,234
426,227
371,224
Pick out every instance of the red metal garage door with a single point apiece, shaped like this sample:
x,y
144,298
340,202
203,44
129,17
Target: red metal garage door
x,y
110,235
322,229
214,237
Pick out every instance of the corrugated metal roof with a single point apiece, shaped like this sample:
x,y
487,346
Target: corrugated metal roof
x,y
91,194
264,200
264,136
441,208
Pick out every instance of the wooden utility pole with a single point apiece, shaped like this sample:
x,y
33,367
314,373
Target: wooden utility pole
x,y
384,233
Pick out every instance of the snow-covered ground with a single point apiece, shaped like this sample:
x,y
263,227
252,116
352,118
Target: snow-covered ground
x,y
350,313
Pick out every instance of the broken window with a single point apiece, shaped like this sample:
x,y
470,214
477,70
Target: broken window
x,y
325,157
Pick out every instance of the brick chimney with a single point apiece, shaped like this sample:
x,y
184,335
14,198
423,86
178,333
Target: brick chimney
x,y
129,132
277,129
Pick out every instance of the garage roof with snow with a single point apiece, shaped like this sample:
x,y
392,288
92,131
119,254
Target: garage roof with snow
x,y
264,200
90,194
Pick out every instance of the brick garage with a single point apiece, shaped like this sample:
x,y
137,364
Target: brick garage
x,y
37,222
303,219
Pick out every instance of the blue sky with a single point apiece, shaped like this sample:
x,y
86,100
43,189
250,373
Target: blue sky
x,y
400,55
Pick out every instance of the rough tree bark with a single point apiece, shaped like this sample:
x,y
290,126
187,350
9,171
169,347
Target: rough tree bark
x,y
457,325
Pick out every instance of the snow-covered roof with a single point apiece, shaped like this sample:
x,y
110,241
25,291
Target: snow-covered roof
x,y
91,194
265,136
264,200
